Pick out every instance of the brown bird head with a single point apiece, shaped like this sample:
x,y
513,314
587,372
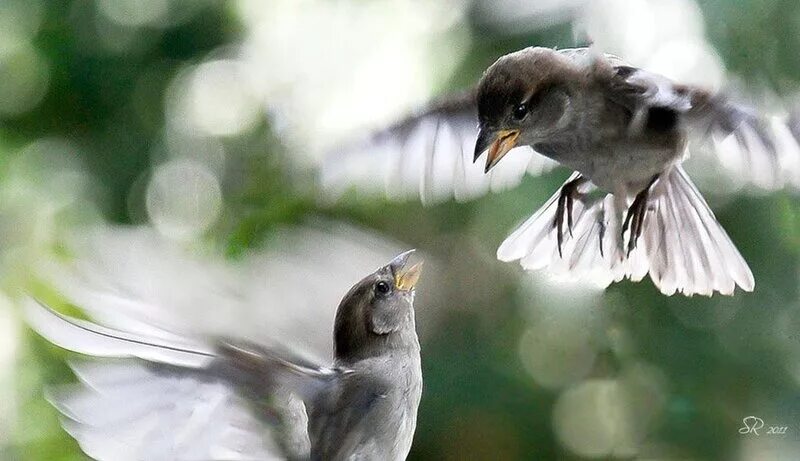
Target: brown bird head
x,y
377,314
522,100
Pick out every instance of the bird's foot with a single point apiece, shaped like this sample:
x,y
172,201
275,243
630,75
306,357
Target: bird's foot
x,y
634,219
566,199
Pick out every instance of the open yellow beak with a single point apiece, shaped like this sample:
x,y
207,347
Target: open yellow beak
x,y
407,279
504,141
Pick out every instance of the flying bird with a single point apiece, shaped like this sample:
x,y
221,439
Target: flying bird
x,y
168,396
628,210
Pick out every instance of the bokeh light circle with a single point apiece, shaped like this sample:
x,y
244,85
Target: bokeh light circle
x,y
135,13
593,419
219,101
183,199
24,77
555,357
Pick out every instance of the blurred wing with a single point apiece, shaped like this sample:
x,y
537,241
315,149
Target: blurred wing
x,y
131,411
640,91
91,339
428,155
763,152
163,403
136,280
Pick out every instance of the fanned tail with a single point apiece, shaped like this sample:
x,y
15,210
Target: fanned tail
x,y
590,251
688,251
682,247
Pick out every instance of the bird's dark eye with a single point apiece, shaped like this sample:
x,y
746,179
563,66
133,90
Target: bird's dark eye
x,y
382,287
520,111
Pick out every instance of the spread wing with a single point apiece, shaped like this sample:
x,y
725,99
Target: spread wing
x,y
170,400
158,400
757,149
126,277
764,151
428,155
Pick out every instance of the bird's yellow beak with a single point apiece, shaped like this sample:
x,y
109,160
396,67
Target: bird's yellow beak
x,y
406,279
504,141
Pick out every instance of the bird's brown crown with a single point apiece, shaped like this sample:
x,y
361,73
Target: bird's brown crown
x,y
515,77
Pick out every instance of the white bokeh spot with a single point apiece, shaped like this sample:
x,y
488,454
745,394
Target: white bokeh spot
x,y
183,199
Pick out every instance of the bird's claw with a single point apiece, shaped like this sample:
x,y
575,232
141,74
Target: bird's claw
x,y
566,201
634,218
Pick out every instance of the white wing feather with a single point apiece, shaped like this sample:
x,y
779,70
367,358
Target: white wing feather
x,y
155,408
429,157
142,415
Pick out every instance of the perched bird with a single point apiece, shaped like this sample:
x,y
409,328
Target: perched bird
x,y
629,209
172,397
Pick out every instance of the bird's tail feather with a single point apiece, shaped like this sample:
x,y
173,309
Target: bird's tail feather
x,y
589,251
688,251
683,247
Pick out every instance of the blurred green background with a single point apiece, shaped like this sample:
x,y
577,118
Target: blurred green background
x,y
96,96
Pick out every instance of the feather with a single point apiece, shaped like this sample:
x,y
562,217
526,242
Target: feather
x,y
534,243
682,246
92,339
152,415
158,401
428,155
687,249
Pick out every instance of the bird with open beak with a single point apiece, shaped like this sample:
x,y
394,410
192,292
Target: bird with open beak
x,y
171,397
629,209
